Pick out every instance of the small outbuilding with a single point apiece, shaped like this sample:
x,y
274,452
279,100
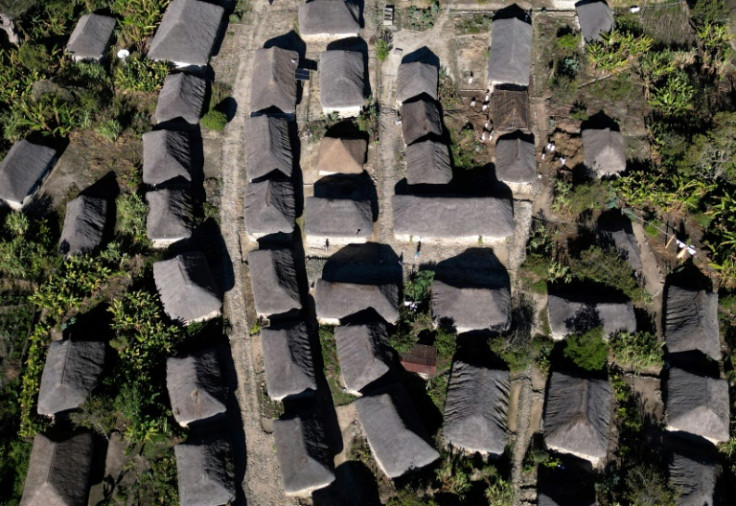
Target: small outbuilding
x,y
274,280
182,96
273,80
691,321
694,473
577,314
288,361
603,151
337,221
341,156
335,301
167,158
468,307
170,216
196,387
22,171
341,80
270,208
511,45
428,162
420,117
187,288
328,19
90,39
267,147
615,230
510,109
698,405
595,18
364,354
516,161
420,360
414,79
85,224
577,416
205,473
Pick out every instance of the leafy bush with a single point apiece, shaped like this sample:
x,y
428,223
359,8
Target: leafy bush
x,y
607,267
383,47
616,50
574,199
638,351
139,18
588,351
417,289
131,220
110,130
140,74
214,120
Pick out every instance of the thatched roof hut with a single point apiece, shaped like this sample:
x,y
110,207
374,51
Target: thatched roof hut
x,y
420,117
595,18
475,410
577,314
288,361
340,221
691,321
58,472
577,416
187,33
170,216
267,147
343,156
511,45
187,289
182,96
335,301
470,308
304,456
414,79
616,230
693,474
70,374
510,109
274,280
453,219
328,19
516,161
341,81
428,162
22,170
395,434
698,405
84,225
273,80
167,157
270,208
205,473
364,354
603,150
91,37
196,387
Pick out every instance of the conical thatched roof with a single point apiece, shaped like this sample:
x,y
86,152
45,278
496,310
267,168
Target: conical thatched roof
x,y
205,473
270,207
603,150
577,416
182,96
341,79
91,37
195,385
511,44
510,109
416,78
338,218
273,277
273,80
618,232
475,410
21,171
691,321
287,359
420,117
187,32
335,301
595,18
344,156
303,453
515,160
84,225
395,434
698,405
693,474
167,157
364,354
267,147
472,307
169,216
428,162
187,289
577,314
58,472
334,18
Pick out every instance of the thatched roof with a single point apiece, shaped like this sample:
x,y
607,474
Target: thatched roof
x,y
395,434
515,160
205,473
698,405
428,162
187,33
416,78
303,452
344,156
273,277
603,150
618,232
182,96
691,321
170,216
452,217
510,110
693,475
270,207
288,361
472,307
578,314
595,18
273,80
84,225
335,301
328,17
475,410
511,44
420,117
91,37
58,472
22,169
338,218
341,79
196,387
364,354
186,287
577,416
267,147
167,157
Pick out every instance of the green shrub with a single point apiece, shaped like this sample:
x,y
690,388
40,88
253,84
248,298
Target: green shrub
x,y
417,289
332,366
606,266
110,130
131,219
214,120
588,351
137,73
383,47
638,351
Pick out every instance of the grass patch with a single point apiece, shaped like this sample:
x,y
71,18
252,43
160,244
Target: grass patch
x,y
332,367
